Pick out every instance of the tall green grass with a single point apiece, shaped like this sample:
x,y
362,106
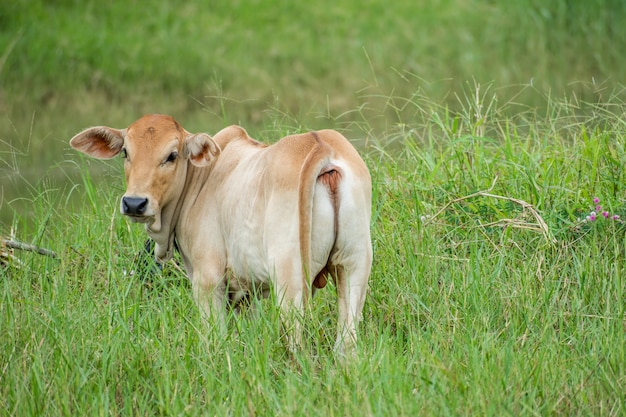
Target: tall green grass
x,y
473,308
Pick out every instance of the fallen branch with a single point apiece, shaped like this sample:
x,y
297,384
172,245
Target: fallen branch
x,y
13,244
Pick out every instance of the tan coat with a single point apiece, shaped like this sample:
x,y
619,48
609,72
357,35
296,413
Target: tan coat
x,y
247,215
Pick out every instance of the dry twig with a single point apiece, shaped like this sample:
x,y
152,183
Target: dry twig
x,y
13,244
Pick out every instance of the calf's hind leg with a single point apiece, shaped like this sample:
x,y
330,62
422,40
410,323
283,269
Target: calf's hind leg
x,y
288,290
351,290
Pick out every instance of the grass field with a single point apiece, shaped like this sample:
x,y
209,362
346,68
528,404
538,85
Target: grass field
x,y
489,129
67,65
490,295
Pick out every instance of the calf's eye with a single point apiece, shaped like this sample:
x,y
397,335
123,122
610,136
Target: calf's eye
x,y
123,153
171,157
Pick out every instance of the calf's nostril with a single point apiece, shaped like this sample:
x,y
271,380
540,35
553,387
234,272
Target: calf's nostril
x,y
134,205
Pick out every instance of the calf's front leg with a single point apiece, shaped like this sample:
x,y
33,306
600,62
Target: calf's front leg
x,y
209,292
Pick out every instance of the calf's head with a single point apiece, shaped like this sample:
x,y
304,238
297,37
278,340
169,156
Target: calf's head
x,y
156,152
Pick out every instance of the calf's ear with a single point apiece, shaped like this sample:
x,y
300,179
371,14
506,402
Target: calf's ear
x,y
201,149
99,142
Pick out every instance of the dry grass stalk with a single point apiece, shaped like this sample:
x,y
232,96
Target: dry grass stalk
x,y
539,226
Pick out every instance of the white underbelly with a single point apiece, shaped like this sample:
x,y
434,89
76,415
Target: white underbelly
x,y
247,258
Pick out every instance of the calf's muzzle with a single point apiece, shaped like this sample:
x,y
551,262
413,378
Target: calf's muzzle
x,y
134,206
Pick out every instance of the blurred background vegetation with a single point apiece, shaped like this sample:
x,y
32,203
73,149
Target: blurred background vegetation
x,y
280,66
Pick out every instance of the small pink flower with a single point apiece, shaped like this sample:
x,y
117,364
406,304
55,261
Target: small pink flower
x,y
595,214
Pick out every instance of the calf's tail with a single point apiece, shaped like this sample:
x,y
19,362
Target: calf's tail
x,y
317,167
